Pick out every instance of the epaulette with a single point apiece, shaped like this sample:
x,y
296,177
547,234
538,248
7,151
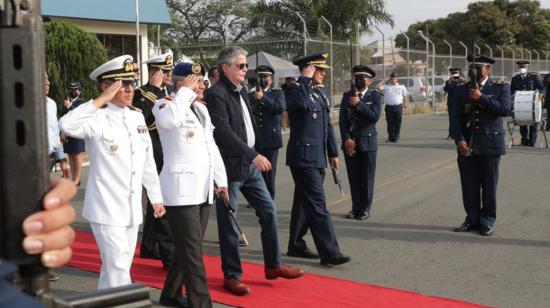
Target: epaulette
x,y
533,73
150,96
276,89
499,82
320,85
377,90
135,109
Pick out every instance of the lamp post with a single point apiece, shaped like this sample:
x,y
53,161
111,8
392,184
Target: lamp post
x,y
331,60
450,52
383,52
408,55
138,46
305,33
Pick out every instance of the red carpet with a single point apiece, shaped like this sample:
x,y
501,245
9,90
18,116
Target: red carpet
x,y
309,291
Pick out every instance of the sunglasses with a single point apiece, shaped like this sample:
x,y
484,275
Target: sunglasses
x,y
242,66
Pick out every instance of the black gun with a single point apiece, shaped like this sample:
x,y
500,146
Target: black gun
x,y
24,155
337,181
353,120
470,108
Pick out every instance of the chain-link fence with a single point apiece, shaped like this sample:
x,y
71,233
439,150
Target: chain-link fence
x,y
422,71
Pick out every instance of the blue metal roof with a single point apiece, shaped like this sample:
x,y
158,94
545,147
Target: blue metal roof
x,y
150,11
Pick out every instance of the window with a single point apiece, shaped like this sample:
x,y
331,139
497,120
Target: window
x,y
118,45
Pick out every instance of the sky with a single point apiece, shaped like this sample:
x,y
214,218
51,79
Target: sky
x,y
407,12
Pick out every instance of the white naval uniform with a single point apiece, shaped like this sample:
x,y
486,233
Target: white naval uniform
x,y
192,160
121,162
394,94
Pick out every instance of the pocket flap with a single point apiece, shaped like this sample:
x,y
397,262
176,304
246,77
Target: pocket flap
x,y
182,168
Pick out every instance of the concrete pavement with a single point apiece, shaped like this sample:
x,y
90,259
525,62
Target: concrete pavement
x,y
408,243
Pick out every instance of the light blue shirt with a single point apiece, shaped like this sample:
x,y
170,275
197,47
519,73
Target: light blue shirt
x,y
54,142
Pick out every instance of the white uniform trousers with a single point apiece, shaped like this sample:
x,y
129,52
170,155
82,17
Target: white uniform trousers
x,y
117,245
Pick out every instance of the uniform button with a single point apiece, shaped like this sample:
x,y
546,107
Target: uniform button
x,y
133,172
133,152
129,135
132,191
307,144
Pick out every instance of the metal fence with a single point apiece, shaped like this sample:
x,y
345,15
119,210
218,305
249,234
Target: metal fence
x,y
382,56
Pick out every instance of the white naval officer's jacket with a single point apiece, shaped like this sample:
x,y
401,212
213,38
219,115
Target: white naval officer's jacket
x,y
192,160
121,162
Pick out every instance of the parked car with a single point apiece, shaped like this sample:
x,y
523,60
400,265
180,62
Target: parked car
x,y
438,88
418,90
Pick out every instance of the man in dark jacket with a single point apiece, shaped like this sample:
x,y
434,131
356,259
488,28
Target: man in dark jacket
x,y
476,124
156,241
235,135
267,105
311,137
359,113
450,87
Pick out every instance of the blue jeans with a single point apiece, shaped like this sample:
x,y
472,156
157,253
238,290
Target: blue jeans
x,y
257,195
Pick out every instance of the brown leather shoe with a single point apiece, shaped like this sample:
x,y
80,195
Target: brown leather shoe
x,y
283,271
235,286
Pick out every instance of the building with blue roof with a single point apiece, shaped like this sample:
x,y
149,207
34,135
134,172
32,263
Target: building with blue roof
x,y
113,21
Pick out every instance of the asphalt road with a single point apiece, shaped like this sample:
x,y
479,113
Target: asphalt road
x,y
408,243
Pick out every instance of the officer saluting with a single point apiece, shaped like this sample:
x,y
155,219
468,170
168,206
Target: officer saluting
x,y
267,104
311,136
524,81
121,162
156,241
359,113
476,125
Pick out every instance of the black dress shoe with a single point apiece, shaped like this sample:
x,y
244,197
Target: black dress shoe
x,y
349,215
363,216
174,302
335,260
486,230
306,254
465,227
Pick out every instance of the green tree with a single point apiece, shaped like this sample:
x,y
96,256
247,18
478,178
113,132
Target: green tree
x,y
522,23
278,19
71,54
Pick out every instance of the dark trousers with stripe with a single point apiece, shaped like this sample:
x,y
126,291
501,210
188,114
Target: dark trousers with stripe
x,y
188,225
309,209
269,176
361,168
479,179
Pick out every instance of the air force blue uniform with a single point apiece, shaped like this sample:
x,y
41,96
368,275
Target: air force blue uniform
x,y
527,82
359,124
311,136
269,140
485,137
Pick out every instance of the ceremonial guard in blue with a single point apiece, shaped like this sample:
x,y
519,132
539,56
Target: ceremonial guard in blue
x,y
450,87
267,105
156,241
526,81
478,132
546,83
311,136
359,112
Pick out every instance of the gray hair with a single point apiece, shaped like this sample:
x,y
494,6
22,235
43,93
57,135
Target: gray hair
x,y
227,54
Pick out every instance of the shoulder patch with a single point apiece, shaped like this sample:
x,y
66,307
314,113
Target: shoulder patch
x,y
162,105
135,109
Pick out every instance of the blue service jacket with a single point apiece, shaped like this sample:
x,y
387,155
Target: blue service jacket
x,y
364,115
311,133
529,82
494,104
450,88
268,118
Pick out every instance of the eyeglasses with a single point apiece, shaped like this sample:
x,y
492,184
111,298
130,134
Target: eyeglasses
x,y
242,66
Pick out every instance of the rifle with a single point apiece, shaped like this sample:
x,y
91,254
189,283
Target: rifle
x,y
470,108
24,155
354,92
337,181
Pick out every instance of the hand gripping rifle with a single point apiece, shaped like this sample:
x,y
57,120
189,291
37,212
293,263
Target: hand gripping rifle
x,y
24,157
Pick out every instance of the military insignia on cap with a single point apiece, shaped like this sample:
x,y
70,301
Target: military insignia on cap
x,y
169,60
196,68
128,65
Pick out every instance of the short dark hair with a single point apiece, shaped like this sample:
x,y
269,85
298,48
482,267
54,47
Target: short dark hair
x,y
212,70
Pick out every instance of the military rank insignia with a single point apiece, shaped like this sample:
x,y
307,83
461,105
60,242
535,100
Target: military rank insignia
x,y
142,129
